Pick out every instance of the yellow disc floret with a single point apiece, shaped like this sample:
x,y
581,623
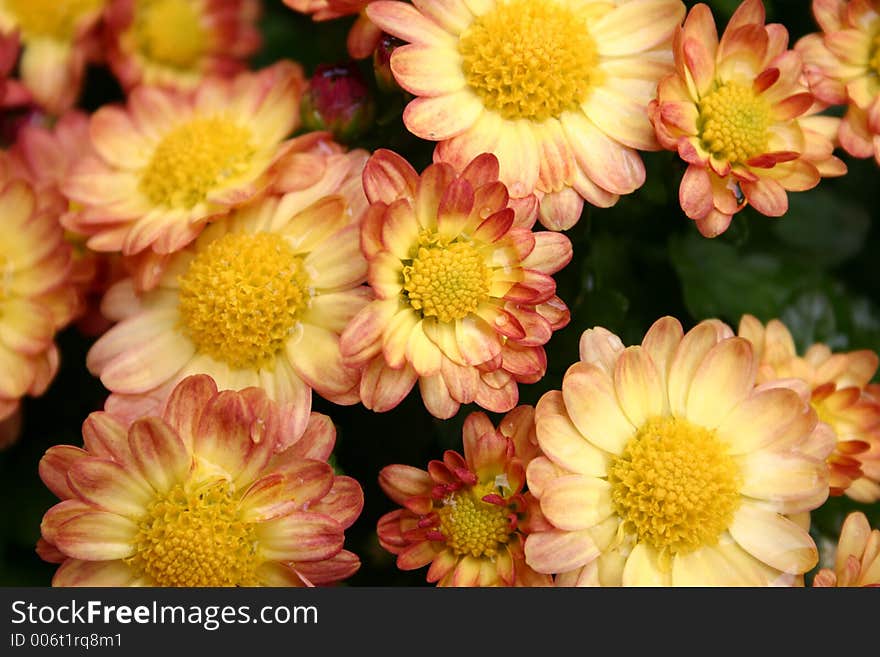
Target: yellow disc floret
x,y
530,59
675,486
446,280
734,122
5,276
194,536
472,526
874,62
53,19
194,158
240,298
170,32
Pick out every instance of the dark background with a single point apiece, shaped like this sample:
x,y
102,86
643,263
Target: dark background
x,y
815,268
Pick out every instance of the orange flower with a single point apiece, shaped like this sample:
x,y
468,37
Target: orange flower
x,y
44,157
665,465
739,114
259,299
842,64
839,391
58,39
857,561
169,163
209,494
557,90
176,43
467,516
465,299
363,37
37,298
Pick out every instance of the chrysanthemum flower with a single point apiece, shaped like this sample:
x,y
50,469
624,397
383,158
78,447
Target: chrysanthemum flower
x,y
739,114
665,465
465,300
364,35
467,515
58,39
837,384
44,157
170,162
557,90
176,43
258,299
36,295
857,559
842,64
208,494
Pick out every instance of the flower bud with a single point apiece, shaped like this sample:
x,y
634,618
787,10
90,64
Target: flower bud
x,y
338,101
382,63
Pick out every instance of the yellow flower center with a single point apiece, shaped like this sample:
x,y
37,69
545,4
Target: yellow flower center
x,y
196,538
874,62
195,158
675,486
472,526
734,121
530,59
5,276
446,280
240,298
170,32
54,19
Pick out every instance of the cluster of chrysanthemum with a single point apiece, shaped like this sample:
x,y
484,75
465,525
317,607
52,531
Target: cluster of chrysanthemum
x,y
691,459
231,263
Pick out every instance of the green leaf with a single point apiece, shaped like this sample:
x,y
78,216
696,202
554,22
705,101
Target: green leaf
x,y
723,281
823,227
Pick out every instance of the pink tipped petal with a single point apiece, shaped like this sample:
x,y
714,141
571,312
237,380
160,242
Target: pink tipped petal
x,y
75,572
774,539
558,551
560,440
767,196
609,164
362,337
405,22
54,466
300,536
561,210
724,378
416,556
383,388
161,456
636,26
442,117
593,408
552,252
688,357
477,340
343,502
97,536
695,192
437,397
388,177
576,502
761,420
110,486
638,386
424,71
338,567
788,480
600,347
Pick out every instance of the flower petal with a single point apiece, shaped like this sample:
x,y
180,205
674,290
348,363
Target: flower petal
x,y
593,408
